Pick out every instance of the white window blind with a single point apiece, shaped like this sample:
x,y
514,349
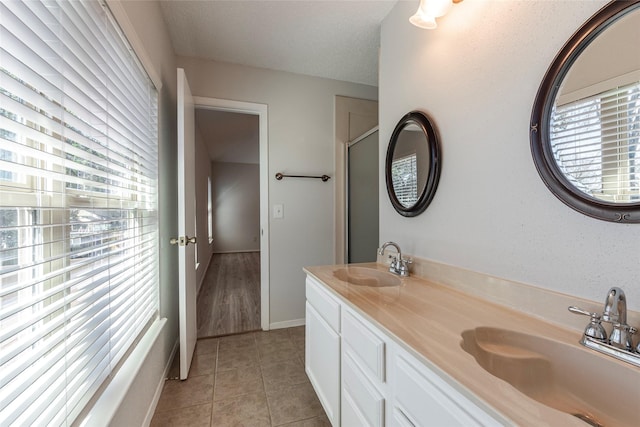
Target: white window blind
x,y
78,206
596,143
404,175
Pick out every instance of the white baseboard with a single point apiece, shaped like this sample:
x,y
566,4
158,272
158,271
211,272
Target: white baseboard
x,y
156,397
287,324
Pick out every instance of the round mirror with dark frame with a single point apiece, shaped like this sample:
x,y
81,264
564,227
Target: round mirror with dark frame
x,y
585,123
412,167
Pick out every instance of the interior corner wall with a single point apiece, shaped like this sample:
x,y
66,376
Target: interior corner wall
x,y
236,207
477,76
203,173
301,141
150,28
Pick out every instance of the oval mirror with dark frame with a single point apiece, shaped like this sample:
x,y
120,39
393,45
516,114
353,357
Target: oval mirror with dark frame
x,y
412,167
585,124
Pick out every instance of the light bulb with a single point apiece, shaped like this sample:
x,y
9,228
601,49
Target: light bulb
x,y
435,8
428,11
423,21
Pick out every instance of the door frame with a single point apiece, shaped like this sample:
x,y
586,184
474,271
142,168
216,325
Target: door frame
x,y
260,110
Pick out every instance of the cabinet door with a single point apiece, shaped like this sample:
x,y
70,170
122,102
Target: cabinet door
x,y
322,362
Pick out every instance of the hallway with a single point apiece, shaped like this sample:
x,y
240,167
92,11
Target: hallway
x,y
229,300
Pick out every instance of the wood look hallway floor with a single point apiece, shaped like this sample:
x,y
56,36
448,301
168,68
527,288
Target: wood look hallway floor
x,y
229,300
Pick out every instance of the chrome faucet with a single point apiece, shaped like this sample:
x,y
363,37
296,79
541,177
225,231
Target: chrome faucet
x,y
619,342
615,312
398,264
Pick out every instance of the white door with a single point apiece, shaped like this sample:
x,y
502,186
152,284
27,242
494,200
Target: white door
x,y
186,223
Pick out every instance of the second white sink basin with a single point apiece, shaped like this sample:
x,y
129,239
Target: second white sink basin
x,y
364,276
594,388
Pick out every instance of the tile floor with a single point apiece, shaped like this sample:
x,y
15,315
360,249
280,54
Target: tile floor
x,y
255,379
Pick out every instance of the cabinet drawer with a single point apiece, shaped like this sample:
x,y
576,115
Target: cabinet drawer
x,y
326,305
365,344
399,419
423,398
362,404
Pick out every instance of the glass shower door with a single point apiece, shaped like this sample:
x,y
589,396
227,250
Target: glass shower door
x,y
362,198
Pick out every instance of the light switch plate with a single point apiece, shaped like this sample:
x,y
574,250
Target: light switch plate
x,y
278,211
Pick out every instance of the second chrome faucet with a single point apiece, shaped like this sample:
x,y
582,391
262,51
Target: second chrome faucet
x,y
615,312
399,265
619,343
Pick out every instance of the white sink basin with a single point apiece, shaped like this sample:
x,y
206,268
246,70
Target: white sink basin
x,y
364,276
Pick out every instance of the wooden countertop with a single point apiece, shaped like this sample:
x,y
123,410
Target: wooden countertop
x,y
427,319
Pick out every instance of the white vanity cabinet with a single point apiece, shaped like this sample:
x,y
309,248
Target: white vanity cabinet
x,y
322,347
363,377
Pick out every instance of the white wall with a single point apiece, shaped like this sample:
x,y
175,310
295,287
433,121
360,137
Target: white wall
x,y
301,141
477,76
236,207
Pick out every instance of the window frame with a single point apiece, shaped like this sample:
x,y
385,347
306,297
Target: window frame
x,y
138,224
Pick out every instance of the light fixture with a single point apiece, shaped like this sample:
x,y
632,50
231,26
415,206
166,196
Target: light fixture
x,y
429,10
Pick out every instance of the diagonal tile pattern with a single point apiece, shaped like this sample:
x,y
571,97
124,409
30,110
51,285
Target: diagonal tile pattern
x,y
254,379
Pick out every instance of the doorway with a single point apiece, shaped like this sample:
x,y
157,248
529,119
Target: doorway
x,y
234,292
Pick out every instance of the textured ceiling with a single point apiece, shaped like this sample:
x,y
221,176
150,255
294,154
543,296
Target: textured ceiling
x,y
323,38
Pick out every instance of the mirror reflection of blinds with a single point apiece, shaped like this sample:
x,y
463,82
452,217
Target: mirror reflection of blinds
x,y
78,207
596,143
404,174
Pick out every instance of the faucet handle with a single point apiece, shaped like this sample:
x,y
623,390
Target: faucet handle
x,y
621,336
594,329
393,265
578,310
403,268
